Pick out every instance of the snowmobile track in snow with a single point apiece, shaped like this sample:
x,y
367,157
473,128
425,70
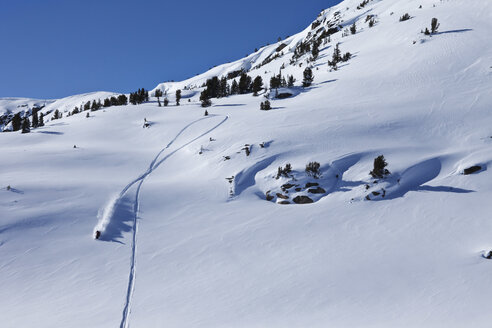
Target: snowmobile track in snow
x,y
153,165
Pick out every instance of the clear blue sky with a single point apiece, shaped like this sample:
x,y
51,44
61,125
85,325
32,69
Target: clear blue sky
x,y
57,48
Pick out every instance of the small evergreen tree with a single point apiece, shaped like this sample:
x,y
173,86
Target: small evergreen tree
x,y
434,25
26,125
315,50
114,101
265,105
257,85
291,81
87,105
244,83
178,97
234,88
379,170
206,102
405,17
275,81
16,122
206,112
41,120
56,115
308,77
122,100
223,88
107,102
166,102
158,94
313,170
353,28
35,119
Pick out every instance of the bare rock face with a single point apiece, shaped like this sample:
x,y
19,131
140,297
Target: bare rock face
x,y
318,190
311,184
472,169
281,196
303,200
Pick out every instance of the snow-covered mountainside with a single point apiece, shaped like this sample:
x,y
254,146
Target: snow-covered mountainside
x,y
200,228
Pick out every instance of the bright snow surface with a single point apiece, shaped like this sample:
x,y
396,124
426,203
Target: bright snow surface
x,y
177,250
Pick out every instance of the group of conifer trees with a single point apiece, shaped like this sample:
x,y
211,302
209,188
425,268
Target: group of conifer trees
x,y
158,93
24,124
279,81
219,88
139,96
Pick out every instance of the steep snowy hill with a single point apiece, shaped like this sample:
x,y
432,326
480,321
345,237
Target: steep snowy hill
x,y
199,227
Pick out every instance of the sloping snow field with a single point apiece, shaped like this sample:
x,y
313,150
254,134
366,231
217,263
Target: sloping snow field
x,y
180,246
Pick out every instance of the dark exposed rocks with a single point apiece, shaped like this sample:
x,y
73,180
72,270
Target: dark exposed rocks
x,y
287,186
472,169
318,190
281,196
284,95
303,200
311,184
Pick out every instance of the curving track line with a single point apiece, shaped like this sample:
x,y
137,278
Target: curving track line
x,y
153,166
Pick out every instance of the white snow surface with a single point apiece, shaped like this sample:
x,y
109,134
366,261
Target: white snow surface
x,y
177,249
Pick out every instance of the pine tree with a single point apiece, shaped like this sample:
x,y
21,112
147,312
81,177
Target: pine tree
x,y
16,122
291,81
107,102
26,125
379,170
35,119
87,105
353,28
178,97
257,85
234,88
434,25
244,83
158,94
206,102
122,100
315,50
166,102
283,82
336,58
94,106
308,77
41,120
114,101
56,115
223,88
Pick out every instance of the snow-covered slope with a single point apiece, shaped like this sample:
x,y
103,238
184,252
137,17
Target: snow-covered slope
x,y
183,247
24,106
